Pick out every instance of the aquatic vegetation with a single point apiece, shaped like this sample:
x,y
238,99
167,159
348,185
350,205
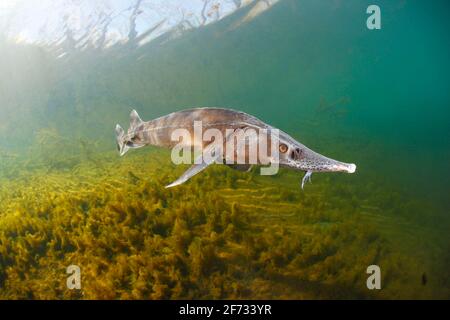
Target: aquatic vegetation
x,y
226,235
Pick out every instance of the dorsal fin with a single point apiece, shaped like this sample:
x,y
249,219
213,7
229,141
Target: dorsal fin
x,y
135,120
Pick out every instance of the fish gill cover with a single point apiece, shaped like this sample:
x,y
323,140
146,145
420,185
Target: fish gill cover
x,y
70,70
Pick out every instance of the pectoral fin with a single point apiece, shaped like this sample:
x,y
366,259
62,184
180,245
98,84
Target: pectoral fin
x,y
196,168
192,171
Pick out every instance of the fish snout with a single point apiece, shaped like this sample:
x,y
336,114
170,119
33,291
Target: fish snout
x,y
315,162
318,163
351,168
336,166
345,167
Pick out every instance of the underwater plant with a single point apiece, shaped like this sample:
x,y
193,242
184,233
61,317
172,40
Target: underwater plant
x,y
134,239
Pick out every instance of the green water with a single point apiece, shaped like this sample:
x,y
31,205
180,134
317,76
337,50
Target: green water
x,y
377,98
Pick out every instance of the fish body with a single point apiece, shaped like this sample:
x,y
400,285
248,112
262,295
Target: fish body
x,y
159,132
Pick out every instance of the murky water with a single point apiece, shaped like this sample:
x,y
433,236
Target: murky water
x,y
378,98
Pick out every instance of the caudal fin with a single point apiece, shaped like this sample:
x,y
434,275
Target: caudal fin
x,y
121,146
135,120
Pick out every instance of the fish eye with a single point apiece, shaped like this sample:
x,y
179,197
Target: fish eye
x,y
283,148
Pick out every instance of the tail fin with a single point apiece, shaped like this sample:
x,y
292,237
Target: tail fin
x,y
121,146
135,120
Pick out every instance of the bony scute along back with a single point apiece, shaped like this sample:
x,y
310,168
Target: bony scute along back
x,y
224,136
